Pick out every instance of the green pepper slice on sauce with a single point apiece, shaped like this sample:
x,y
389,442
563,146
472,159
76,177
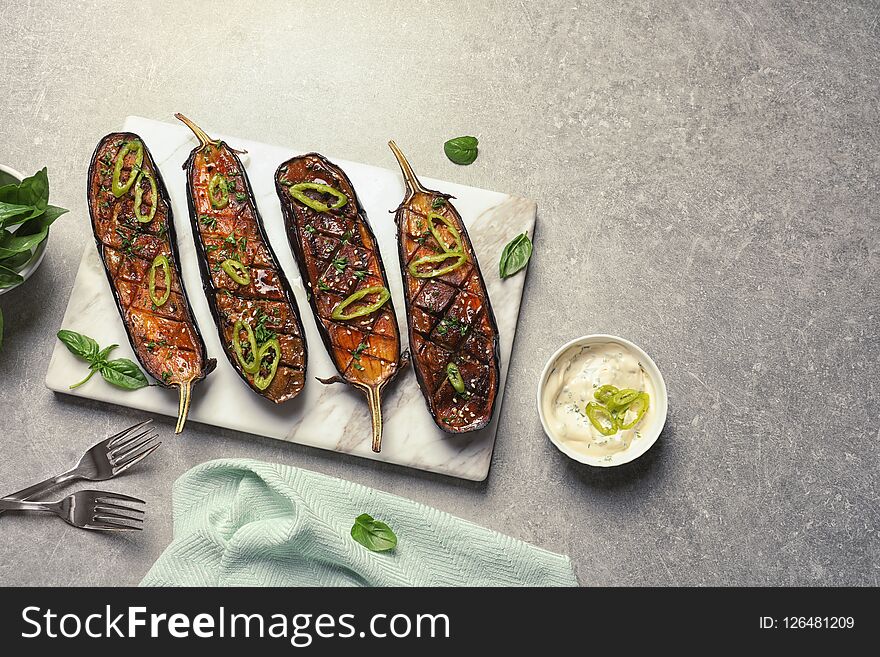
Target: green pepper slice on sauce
x,y
454,376
604,394
621,400
262,382
339,311
460,259
236,271
218,192
298,192
639,406
139,198
250,366
455,248
134,146
160,261
601,418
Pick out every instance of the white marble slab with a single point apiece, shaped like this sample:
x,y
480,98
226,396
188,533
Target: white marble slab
x,y
330,417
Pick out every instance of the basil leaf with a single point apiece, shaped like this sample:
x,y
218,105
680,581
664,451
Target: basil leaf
x,y
30,234
123,373
1,328
461,150
102,355
8,277
374,535
515,255
26,200
79,345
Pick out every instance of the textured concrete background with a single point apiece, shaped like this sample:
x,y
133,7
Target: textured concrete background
x,y
707,182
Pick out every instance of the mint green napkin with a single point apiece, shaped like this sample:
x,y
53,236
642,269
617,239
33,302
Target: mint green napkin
x,y
239,522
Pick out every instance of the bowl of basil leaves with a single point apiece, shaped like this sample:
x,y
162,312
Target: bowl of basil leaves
x,y
25,217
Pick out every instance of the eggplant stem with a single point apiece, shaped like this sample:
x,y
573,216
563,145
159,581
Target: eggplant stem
x,y
183,408
200,134
374,399
409,177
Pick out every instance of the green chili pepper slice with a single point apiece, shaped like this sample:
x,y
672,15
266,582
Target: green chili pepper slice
x,y
262,382
298,192
605,393
601,418
457,247
454,376
218,183
339,311
249,366
160,261
237,271
139,197
118,187
639,406
460,259
621,400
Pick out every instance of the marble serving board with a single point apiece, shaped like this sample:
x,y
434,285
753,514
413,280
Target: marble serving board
x,y
331,417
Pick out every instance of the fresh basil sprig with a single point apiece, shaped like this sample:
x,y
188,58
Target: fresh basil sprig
x,y
373,534
121,372
461,150
515,255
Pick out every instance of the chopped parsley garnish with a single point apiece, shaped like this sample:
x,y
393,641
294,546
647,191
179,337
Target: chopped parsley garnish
x,y
240,196
438,202
339,264
310,229
210,222
360,274
261,333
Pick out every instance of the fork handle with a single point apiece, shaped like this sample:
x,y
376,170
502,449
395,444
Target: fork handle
x,y
21,505
40,488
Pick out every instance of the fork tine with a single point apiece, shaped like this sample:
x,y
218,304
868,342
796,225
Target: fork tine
x,y
131,459
112,498
113,440
107,516
132,450
127,442
115,508
111,527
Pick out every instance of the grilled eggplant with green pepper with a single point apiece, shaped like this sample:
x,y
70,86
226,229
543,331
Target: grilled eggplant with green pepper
x,y
251,301
453,337
134,231
339,260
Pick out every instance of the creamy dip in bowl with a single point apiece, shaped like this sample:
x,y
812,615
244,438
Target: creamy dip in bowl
x,y
569,383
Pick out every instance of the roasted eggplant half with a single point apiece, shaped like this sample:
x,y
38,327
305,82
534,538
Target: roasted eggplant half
x,y
134,231
339,260
453,337
249,296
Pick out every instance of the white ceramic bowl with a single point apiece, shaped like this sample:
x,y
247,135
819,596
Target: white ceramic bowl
x,y
649,434
40,251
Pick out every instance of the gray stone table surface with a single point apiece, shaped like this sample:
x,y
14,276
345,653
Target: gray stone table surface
x,y
707,181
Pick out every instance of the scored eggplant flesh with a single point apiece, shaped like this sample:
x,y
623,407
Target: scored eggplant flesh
x,y
245,286
164,336
453,336
339,259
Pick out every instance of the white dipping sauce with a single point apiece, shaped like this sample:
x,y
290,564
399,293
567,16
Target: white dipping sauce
x,y
571,384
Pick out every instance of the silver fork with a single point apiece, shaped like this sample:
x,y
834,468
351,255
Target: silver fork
x,y
103,461
88,509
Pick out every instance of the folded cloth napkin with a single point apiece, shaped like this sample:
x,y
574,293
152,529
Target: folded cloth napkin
x,y
239,522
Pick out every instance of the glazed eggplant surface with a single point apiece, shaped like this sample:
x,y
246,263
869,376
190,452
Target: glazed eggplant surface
x,y
134,232
249,296
339,260
453,336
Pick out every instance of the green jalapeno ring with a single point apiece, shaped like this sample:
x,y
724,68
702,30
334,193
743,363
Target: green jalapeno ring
x,y
461,258
298,192
605,393
601,418
139,196
339,311
160,261
119,188
454,376
262,382
458,247
639,406
218,182
253,366
236,271
621,400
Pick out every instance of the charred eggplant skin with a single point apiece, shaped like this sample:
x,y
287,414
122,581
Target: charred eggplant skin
x,y
166,340
269,292
449,316
338,256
